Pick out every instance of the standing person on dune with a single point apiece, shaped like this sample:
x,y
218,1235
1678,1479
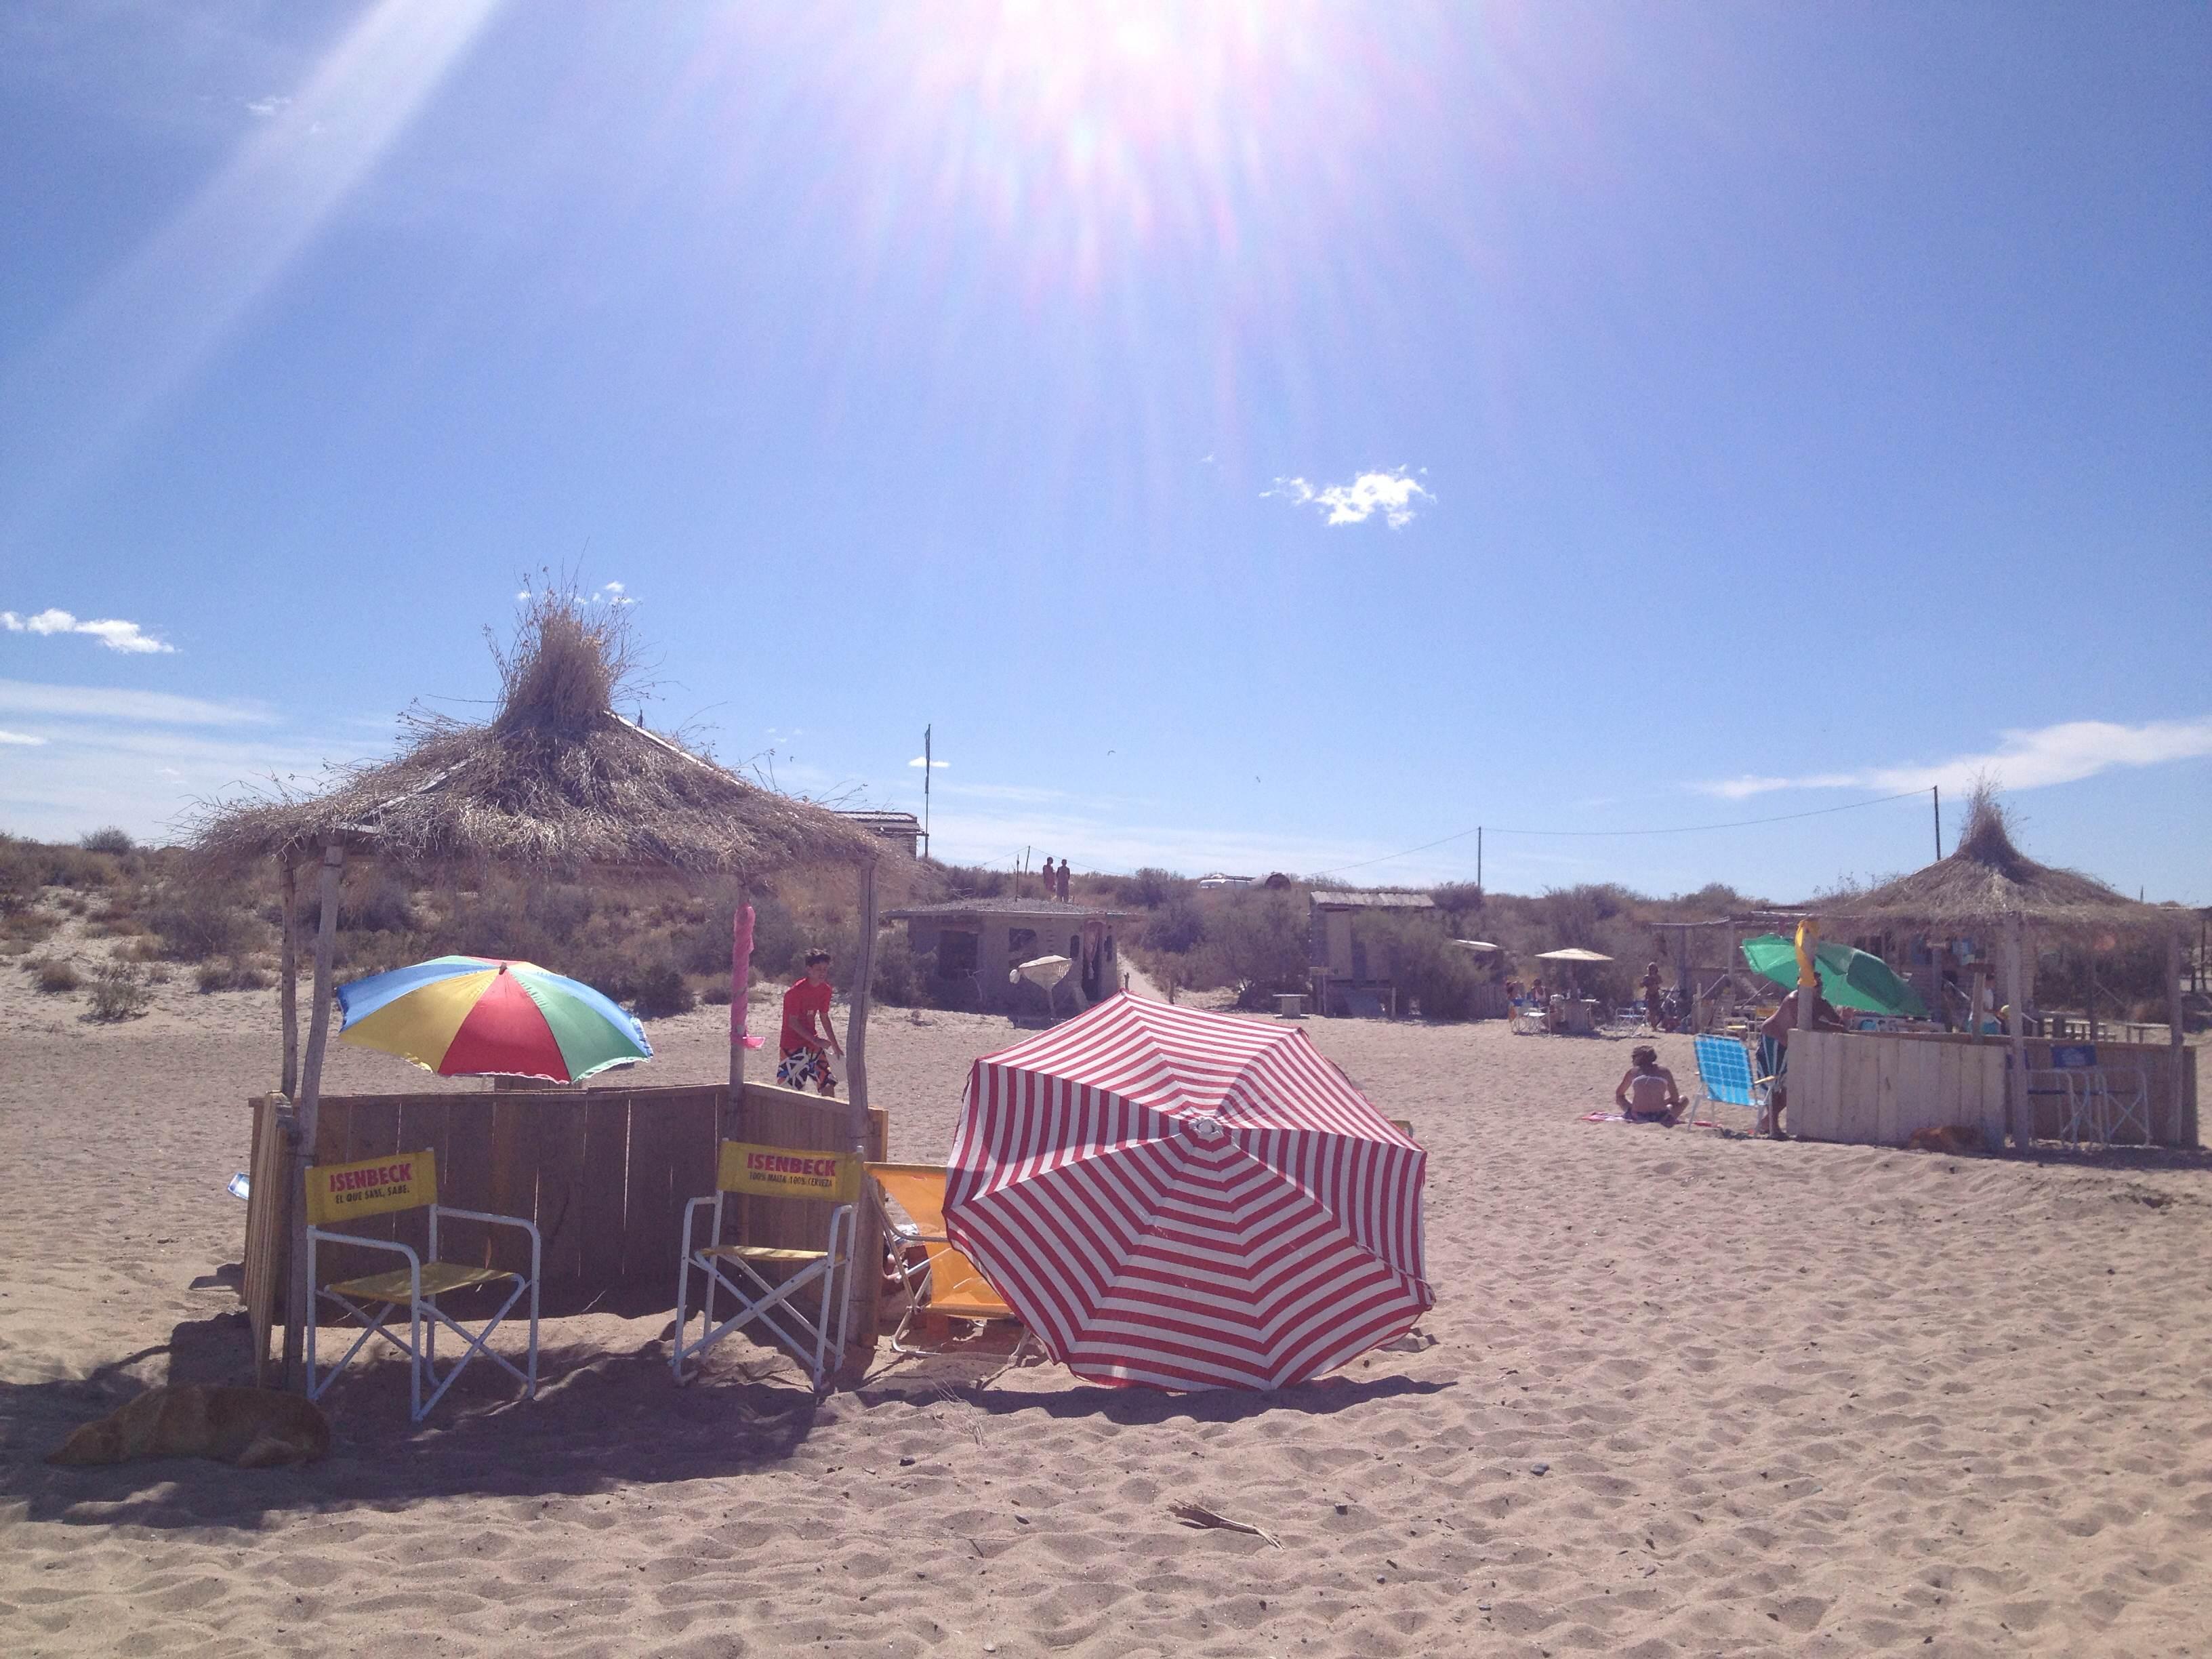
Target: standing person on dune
x,y
801,1056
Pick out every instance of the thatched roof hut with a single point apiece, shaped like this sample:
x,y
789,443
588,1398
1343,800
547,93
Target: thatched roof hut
x,y
1987,882
556,780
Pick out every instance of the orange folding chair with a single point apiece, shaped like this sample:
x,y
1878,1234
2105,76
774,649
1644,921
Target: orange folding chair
x,y
939,1279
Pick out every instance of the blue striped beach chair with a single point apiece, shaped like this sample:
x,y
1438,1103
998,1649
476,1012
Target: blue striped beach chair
x,y
1724,1076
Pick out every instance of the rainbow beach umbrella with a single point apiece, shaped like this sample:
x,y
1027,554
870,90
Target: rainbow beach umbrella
x,y
480,1016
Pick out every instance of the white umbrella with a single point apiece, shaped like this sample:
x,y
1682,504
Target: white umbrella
x,y
1477,945
1572,953
1045,972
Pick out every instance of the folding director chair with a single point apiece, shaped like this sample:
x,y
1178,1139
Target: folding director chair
x,y
942,1280
2103,1103
816,1342
385,1186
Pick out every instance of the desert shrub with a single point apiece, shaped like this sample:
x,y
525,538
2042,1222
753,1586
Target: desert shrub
x,y
1258,943
1430,972
383,904
661,992
561,908
715,993
119,993
54,866
973,881
231,974
53,974
780,941
109,838
197,922
907,978
27,927
1177,929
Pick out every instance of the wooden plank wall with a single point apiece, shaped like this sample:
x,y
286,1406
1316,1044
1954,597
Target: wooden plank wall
x,y
1872,1089
605,1174
1876,1089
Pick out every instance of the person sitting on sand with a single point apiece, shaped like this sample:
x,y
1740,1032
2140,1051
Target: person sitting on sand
x,y
1774,1052
1647,1093
806,1027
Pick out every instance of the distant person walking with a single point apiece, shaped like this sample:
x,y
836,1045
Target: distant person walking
x,y
802,1060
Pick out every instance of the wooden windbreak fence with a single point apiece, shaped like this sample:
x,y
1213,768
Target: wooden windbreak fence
x,y
1876,1089
605,1174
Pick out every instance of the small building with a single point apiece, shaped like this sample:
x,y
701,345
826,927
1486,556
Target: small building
x,y
1346,980
978,942
1214,880
902,829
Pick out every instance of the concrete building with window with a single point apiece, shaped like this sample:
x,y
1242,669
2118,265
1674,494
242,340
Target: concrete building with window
x,y
976,943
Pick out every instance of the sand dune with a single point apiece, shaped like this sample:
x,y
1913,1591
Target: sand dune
x,y
1691,1395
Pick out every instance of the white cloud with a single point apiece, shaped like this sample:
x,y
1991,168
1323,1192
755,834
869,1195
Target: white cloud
x,y
1391,493
19,737
269,105
934,765
2064,753
115,635
97,703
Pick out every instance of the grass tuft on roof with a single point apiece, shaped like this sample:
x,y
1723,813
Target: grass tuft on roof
x,y
555,781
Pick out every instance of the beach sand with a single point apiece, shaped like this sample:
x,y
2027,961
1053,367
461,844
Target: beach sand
x,y
1690,1394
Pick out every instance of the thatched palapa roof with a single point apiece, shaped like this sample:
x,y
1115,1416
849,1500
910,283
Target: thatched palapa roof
x,y
1986,879
555,781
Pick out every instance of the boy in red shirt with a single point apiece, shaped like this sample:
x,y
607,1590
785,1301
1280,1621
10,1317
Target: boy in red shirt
x,y
806,1006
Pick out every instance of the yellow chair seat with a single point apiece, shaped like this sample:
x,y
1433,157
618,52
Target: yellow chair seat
x,y
765,1253
438,1278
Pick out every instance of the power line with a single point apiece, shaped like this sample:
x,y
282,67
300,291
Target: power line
x,y
1678,829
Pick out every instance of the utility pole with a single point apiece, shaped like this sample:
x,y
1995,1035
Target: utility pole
x,y
1936,790
926,767
1478,858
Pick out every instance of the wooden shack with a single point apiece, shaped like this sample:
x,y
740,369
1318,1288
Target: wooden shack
x,y
1351,971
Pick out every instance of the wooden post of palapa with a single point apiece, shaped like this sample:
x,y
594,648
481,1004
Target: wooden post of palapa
x,y
300,1303
856,1023
2176,1033
860,1334
287,983
2023,1105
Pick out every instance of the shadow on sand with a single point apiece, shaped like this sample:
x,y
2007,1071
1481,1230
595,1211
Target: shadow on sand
x,y
602,1419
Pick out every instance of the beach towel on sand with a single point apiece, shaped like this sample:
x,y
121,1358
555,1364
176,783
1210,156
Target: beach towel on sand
x,y
1616,1117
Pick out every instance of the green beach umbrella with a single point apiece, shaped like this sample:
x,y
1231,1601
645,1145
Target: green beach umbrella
x,y
1849,978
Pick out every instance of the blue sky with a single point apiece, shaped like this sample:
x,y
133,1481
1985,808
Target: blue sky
x,y
1267,436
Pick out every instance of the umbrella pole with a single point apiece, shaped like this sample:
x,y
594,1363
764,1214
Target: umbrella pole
x,y
301,1304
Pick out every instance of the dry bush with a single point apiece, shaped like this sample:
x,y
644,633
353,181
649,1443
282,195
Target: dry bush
x,y
119,993
200,921
110,839
53,974
661,992
231,974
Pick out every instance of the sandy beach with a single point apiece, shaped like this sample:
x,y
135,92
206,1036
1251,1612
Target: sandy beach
x,y
1690,1394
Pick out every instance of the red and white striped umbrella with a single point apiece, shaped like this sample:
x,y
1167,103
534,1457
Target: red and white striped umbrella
x,y
1184,1199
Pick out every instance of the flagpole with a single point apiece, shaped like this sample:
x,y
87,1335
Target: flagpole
x,y
926,767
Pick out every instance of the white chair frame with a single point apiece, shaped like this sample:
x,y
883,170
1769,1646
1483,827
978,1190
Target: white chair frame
x,y
817,1343
425,1316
